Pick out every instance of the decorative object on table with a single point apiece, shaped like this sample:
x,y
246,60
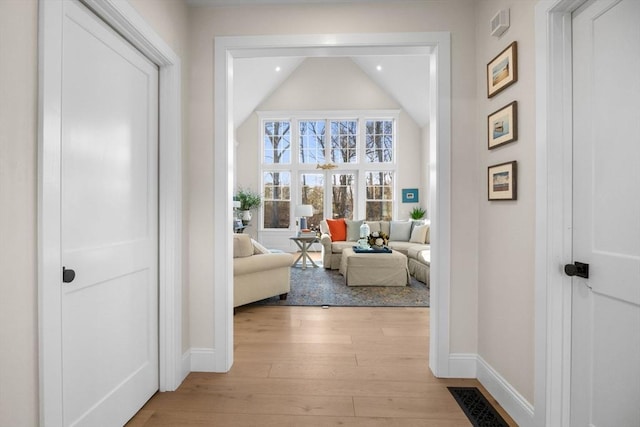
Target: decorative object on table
x,y
307,233
409,195
502,126
502,71
249,200
417,213
378,239
363,241
372,250
502,181
303,211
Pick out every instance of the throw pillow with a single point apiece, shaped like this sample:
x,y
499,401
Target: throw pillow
x,y
419,234
337,229
324,228
373,226
242,246
400,231
258,249
353,229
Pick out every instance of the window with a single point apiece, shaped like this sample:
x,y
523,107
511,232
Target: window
x,y
344,137
277,199
379,146
277,142
341,164
379,197
312,141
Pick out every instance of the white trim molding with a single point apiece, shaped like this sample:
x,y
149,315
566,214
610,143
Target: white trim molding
x,y
203,360
463,365
128,22
226,49
553,210
505,394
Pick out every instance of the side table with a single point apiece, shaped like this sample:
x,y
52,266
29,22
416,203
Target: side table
x,y
304,243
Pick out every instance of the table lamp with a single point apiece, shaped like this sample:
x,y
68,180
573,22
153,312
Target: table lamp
x,y
303,211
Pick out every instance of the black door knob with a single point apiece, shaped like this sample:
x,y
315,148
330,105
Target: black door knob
x,y
68,275
577,269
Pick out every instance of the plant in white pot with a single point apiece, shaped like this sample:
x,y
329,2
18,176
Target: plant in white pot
x,y
249,200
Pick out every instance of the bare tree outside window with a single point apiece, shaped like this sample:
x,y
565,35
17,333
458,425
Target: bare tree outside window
x,y
312,141
277,199
379,196
379,141
344,137
277,142
343,192
312,190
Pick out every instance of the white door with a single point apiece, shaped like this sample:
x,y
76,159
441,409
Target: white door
x,y
605,377
109,223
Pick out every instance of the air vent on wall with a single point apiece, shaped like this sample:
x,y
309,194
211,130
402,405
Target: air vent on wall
x,y
500,22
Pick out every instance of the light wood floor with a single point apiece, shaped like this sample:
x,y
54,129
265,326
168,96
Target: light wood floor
x,y
309,367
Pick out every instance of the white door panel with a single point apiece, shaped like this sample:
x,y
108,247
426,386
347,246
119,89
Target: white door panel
x,y
109,223
606,214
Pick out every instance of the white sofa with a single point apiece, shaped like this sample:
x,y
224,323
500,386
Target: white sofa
x,y
258,273
403,237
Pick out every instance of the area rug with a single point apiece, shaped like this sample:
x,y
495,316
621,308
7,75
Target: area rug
x,y
319,286
477,408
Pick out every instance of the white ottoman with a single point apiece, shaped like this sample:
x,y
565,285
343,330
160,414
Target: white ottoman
x,y
374,269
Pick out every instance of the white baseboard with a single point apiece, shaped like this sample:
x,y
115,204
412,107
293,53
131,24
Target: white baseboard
x,y
202,360
508,397
185,365
463,365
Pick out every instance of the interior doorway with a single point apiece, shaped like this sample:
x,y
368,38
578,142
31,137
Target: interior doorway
x,y
227,49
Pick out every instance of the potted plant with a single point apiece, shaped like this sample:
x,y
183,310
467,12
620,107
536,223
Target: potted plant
x,y
417,213
249,200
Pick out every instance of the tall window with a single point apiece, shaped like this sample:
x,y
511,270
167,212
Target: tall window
x,y
342,165
344,139
312,141
379,189
277,199
277,142
379,141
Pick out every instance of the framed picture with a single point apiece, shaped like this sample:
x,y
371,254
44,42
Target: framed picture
x,y
502,125
502,71
409,195
503,181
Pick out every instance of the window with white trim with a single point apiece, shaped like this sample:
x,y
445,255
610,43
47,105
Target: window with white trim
x,y
343,164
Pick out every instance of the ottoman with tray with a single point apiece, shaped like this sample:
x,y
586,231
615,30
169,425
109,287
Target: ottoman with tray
x,y
387,268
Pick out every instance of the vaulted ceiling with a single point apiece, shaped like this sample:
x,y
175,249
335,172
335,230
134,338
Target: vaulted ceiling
x,y
404,77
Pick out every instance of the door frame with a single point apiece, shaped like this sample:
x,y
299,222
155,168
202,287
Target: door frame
x,y
554,168
226,49
130,24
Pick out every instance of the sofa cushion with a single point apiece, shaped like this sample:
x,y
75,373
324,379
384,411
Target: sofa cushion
x,y
242,246
421,253
400,231
353,229
373,226
337,247
419,234
259,263
337,229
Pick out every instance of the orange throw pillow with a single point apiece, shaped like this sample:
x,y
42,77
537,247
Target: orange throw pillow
x,y
337,229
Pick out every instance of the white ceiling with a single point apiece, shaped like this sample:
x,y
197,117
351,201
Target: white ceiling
x,y
404,77
260,2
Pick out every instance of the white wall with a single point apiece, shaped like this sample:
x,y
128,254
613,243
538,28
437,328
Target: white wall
x,y
506,249
330,84
18,143
455,16
18,189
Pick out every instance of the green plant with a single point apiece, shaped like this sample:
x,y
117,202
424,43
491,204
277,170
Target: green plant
x,y
417,213
248,199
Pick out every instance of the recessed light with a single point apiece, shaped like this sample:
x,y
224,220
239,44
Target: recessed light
x,y
278,69
379,67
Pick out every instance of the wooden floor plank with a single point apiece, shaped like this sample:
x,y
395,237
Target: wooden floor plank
x,y
313,367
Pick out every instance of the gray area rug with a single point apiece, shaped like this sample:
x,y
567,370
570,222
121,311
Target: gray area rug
x,y
318,286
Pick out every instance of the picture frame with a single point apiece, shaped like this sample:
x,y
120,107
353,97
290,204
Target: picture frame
x,y
410,195
502,126
502,181
502,71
